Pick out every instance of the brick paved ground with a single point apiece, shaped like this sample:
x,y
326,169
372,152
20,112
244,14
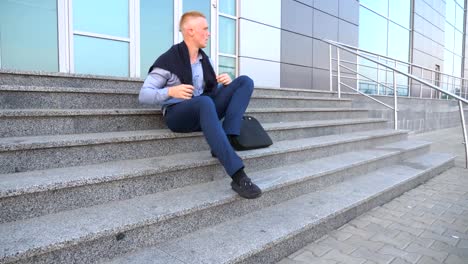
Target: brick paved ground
x,y
428,224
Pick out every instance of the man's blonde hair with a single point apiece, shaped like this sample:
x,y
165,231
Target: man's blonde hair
x,y
186,16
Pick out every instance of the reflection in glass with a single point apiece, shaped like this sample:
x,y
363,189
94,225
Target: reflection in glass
x,y
458,43
449,36
227,65
399,12
448,62
379,6
27,27
372,32
459,18
450,11
227,7
156,31
109,17
227,35
398,42
203,6
457,60
101,56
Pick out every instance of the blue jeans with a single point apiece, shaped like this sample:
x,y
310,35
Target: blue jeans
x,y
202,113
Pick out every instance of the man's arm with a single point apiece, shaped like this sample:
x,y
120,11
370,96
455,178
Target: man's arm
x,y
154,89
161,85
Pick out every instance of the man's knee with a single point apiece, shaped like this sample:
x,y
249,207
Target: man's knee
x,y
205,103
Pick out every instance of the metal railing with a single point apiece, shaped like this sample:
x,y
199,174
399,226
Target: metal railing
x,y
394,70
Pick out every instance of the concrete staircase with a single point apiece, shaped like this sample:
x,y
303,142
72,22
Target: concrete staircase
x,y
89,176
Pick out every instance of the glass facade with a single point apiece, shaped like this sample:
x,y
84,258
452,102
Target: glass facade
x,y
227,37
384,29
101,37
28,35
156,31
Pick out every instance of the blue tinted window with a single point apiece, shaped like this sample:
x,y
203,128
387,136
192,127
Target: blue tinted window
x,y
109,17
398,42
101,56
227,35
449,37
372,32
227,7
27,27
156,31
379,6
399,12
227,65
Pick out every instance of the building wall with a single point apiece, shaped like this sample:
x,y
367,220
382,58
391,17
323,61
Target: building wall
x,y
280,45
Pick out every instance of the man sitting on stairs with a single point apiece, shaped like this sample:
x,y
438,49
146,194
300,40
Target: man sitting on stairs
x,y
193,98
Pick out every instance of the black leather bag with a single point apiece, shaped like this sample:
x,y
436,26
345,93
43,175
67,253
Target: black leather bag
x,y
252,135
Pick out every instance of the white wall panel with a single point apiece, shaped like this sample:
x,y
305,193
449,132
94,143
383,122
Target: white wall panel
x,y
263,11
264,73
259,41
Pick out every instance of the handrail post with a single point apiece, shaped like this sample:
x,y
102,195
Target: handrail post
x,y
338,71
465,137
395,103
378,76
331,66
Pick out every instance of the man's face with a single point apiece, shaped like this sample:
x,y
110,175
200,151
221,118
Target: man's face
x,y
200,32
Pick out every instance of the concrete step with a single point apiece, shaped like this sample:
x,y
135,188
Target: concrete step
x,y
31,97
35,193
18,154
31,122
268,235
57,79
278,225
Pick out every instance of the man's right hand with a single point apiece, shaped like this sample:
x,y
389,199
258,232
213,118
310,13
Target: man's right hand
x,y
182,91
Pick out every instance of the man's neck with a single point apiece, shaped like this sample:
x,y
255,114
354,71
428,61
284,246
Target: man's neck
x,y
193,52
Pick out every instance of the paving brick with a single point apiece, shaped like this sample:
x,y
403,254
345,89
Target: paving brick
x,y
289,261
338,245
357,231
317,250
424,242
428,252
454,259
441,238
372,255
408,229
376,220
364,243
406,256
455,234
384,238
343,258
295,254
400,261
375,228
424,219
340,236
428,260
440,246
359,223
463,243
308,257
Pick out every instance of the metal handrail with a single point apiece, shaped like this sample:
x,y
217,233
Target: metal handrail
x,y
400,61
340,46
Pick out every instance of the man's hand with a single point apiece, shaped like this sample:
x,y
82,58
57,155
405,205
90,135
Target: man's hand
x,y
182,91
224,78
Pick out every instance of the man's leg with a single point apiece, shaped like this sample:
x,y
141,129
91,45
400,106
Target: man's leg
x,y
197,114
232,101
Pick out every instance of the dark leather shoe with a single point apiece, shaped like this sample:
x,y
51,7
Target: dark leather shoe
x,y
246,188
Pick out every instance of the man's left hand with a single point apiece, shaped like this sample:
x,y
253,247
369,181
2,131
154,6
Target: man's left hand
x,y
224,78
